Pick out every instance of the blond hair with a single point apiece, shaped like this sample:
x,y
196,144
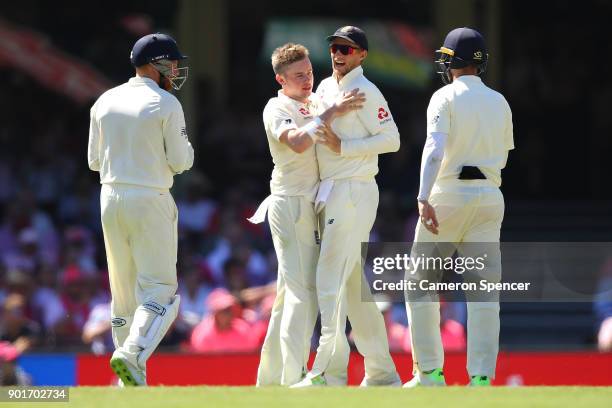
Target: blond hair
x,y
286,55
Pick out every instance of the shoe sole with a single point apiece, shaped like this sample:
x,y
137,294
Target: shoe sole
x,y
120,368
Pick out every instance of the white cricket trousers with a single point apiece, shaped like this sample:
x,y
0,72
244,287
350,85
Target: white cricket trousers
x,y
140,237
468,212
286,348
346,221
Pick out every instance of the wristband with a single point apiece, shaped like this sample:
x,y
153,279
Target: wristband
x,y
311,126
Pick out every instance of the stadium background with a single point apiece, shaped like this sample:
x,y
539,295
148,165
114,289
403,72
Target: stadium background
x,y
55,59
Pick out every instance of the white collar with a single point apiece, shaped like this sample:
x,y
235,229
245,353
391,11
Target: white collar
x,y
469,79
142,80
286,98
350,77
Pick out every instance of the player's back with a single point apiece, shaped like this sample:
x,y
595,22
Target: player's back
x,y
131,118
480,129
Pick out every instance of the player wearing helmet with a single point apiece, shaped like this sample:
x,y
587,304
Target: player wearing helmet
x,y
138,142
469,134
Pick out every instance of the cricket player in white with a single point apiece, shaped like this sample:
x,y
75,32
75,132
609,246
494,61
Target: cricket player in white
x,y
138,142
290,122
469,134
347,152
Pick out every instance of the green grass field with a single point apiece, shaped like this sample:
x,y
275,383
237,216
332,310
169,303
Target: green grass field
x,y
174,397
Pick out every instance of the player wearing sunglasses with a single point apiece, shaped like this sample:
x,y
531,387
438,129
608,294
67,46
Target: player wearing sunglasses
x,y
347,153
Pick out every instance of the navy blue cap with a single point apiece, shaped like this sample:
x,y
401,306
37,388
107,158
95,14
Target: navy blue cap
x,y
465,45
155,47
351,33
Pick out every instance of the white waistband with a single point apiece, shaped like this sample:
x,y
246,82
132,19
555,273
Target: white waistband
x,y
132,187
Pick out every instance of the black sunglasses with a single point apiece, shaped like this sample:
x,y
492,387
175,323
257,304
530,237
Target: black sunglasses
x,y
344,49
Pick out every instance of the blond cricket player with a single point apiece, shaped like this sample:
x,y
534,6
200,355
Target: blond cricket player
x,y
138,142
469,134
347,200
290,122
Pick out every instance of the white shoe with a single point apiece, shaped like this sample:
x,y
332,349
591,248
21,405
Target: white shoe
x,y
434,378
129,375
311,381
393,382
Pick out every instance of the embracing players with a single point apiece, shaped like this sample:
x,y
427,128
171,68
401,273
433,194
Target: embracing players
x,y
291,121
347,201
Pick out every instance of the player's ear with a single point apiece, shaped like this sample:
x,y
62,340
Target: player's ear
x,y
280,79
364,54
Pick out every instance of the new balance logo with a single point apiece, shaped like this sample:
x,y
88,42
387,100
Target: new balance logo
x,y
155,308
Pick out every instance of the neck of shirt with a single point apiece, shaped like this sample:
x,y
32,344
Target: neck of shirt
x,y
281,94
469,79
142,80
350,76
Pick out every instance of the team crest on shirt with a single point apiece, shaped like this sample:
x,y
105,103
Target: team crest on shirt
x,y
383,115
305,112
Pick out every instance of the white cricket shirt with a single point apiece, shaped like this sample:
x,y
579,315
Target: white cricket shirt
x,y
137,135
365,133
478,122
294,174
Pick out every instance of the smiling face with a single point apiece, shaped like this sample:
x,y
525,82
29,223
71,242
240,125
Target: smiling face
x,y
297,80
341,63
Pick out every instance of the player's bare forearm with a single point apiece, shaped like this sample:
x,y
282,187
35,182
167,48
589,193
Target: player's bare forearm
x,y
298,140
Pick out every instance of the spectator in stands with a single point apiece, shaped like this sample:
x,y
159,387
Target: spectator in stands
x,y
453,332
76,297
97,330
22,213
27,256
235,278
79,249
42,303
16,328
193,290
197,209
603,308
259,326
223,330
10,373
81,205
46,303
233,244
